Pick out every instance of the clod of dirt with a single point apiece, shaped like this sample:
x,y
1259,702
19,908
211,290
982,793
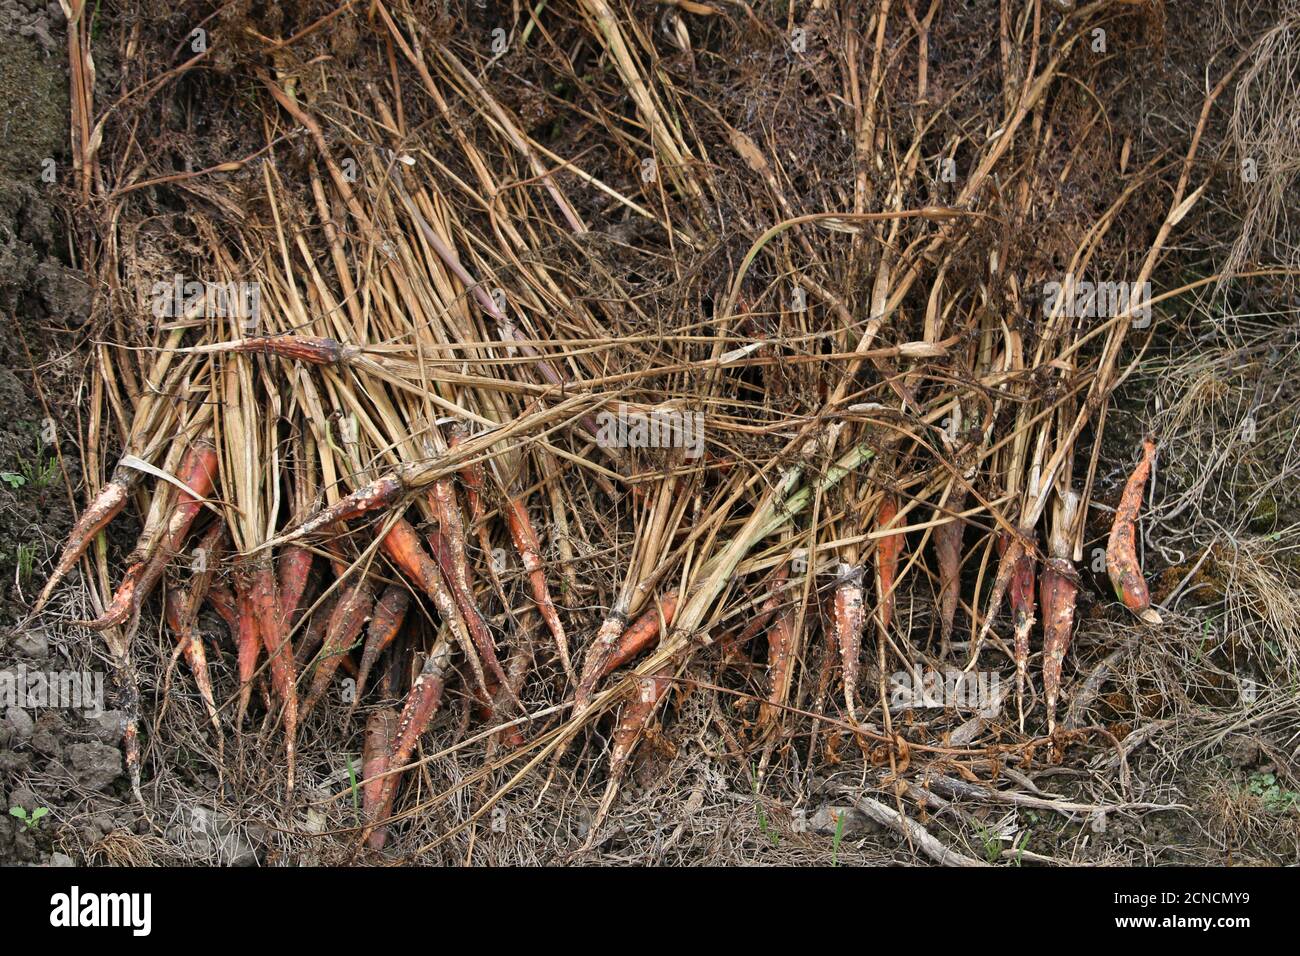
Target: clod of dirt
x,y
33,645
94,766
20,724
108,727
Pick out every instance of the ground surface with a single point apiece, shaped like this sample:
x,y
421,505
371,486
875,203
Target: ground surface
x,y
1222,550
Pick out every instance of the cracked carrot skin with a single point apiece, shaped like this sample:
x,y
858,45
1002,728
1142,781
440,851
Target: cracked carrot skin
x,y
636,714
385,622
108,504
1121,547
1020,595
198,472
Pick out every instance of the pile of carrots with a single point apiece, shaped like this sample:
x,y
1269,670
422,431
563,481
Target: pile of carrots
x,y
390,486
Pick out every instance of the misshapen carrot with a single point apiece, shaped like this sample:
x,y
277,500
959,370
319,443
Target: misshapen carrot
x,y
107,505
1121,548
421,704
176,611
633,718
293,576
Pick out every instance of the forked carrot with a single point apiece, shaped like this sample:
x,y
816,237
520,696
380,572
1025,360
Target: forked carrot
x,y
107,505
632,722
1121,548
732,643
421,704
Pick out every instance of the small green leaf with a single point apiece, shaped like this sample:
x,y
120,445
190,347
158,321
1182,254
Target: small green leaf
x,y
18,812
38,813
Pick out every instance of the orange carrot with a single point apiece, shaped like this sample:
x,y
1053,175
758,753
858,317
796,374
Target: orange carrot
x,y
888,550
314,633
848,617
223,602
402,546
107,505
248,637
526,543
385,622
381,729
632,722
1020,594
293,573
1121,549
1058,588
176,610
642,632
947,546
421,704
380,493
198,472
457,583
356,599
273,627
780,660
732,643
